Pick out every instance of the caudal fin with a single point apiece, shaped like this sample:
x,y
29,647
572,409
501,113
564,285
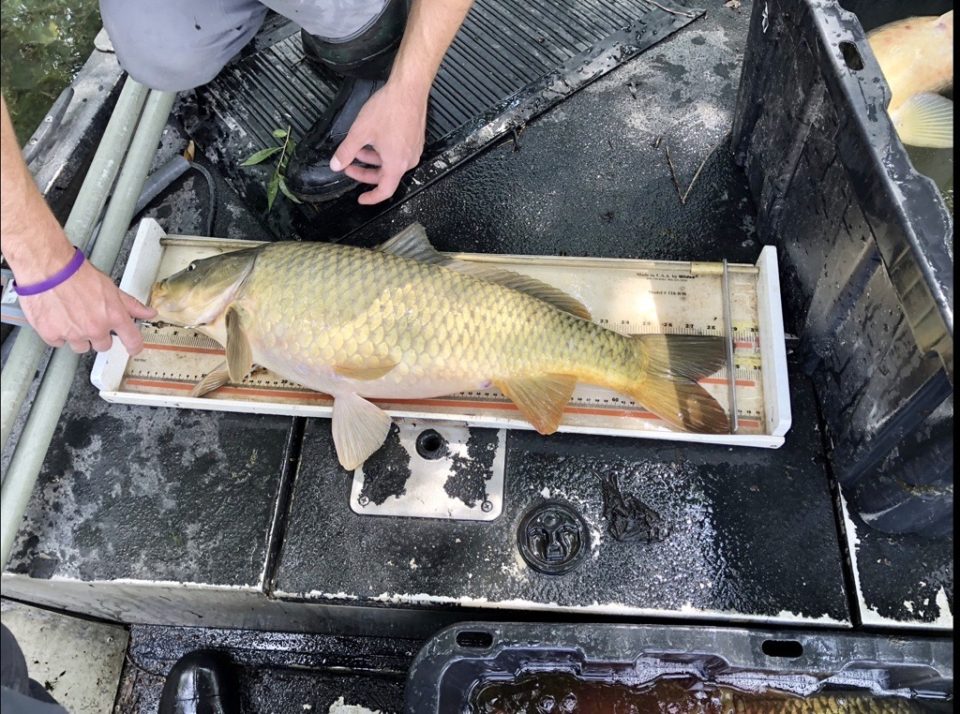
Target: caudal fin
x,y
669,389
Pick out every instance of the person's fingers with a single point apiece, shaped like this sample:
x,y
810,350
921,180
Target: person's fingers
x,y
130,336
80,346
102,344
389,181
136,308
369,156
348,150
368,176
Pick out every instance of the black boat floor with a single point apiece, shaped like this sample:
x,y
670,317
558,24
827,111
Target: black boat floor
x,y
213,519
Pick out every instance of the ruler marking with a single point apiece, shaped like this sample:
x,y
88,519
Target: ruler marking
x,y
680,294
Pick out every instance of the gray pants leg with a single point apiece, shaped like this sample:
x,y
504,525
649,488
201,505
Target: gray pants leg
x,y
180,44
18,693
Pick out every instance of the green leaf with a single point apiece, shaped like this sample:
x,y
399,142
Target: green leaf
x,y
272,188
286,191
261,156
279,133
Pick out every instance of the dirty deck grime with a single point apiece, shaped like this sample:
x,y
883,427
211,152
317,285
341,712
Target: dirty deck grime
x,y
165,517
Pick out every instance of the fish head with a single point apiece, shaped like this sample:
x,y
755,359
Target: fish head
x,y
198,294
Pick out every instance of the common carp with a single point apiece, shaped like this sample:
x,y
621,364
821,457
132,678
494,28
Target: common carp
x,y
916,58
405,321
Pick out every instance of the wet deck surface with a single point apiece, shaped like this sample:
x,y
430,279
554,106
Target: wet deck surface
x,y
243,504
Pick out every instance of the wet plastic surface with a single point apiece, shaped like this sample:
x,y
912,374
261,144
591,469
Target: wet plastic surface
x,y
726,532
153,495
281,673
734,528
867,256
508,63
590,177
491,667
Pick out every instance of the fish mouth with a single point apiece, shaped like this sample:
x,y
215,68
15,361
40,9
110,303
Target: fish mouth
x,y
157,293
160,300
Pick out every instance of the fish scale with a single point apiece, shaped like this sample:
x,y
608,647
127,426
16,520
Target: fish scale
x,y
405,321
366,309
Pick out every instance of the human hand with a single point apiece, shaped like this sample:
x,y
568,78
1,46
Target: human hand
x,y
83,310
387,134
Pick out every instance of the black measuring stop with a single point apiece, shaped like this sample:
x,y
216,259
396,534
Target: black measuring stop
x,y
553,537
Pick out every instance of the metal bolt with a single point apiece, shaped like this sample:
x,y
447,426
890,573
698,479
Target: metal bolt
x,y
486,506
363,500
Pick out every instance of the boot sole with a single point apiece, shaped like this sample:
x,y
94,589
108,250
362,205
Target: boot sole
x,y
327,196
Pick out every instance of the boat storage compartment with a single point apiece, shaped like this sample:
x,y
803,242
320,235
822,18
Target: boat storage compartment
x,y
507,667
866,255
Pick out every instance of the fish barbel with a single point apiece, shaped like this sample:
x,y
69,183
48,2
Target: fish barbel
x,y
405,321
916,58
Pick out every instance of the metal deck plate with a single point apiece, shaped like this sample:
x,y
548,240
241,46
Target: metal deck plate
x,y
447,471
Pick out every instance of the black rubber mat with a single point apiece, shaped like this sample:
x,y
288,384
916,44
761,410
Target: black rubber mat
x,y
509,62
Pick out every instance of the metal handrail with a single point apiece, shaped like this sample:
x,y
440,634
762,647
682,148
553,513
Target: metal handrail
x,y
31,448
28,350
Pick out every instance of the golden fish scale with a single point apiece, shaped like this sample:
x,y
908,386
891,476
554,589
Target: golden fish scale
x,y
915,56
733,703
336,305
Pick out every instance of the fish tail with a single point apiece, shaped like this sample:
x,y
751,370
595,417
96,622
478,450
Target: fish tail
x,y
670,367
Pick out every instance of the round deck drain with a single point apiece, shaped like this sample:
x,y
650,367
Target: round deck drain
x,y
430,445
553,537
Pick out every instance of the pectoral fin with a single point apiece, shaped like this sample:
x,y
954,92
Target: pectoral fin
x,y
363,373
239,355
215,379
925,120
541,400
359,429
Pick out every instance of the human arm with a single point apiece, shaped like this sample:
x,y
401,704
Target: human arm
x,y
84,309
393,121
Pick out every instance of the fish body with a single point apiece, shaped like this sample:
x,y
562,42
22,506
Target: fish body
x,y
405,321
916,57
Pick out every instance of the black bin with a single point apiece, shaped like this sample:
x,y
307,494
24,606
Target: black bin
x,y
452,669
866,251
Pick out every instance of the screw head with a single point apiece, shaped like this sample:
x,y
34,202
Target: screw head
x,y
363,500
486,506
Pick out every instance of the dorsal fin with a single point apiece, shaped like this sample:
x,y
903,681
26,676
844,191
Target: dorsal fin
x,y
412,243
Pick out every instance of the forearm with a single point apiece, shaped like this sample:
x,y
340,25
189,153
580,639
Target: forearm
x,y
431,27
32,241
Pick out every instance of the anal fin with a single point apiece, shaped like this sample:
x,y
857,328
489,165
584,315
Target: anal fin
x,y
359,429
541,400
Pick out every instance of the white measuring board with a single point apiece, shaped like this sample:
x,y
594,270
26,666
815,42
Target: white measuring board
x,y
630,296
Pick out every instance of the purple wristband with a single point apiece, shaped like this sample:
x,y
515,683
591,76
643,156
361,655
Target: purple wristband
x,y
54,280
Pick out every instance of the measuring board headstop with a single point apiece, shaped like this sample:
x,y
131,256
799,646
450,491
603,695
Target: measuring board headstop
x,y
736,301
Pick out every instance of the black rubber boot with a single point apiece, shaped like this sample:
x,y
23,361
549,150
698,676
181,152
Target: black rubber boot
x,y
364,63
201,682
